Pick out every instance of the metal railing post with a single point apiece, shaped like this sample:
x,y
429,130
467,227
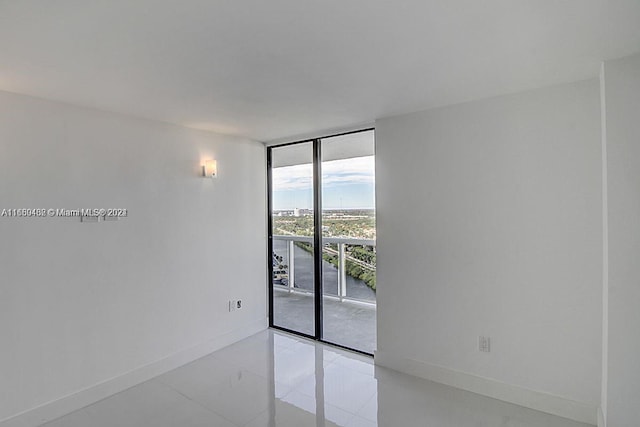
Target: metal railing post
x,y
342,272
341,253
290,263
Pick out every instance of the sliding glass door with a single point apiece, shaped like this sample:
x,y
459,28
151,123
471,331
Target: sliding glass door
x,y
292,238
348,238
322,239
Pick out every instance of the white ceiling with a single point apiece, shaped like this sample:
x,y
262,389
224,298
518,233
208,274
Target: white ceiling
x,y
277,68
358,144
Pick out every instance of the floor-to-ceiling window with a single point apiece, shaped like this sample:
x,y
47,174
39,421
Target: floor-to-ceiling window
x,y
292,237
321,195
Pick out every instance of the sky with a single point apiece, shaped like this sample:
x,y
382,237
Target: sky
x,y
346,184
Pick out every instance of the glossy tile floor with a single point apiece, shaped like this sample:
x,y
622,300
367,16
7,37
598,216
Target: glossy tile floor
x,y
275,379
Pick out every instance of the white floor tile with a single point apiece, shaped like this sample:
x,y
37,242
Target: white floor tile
x,y
239,397
343,387
273,379
148,404
201,374
331,413
357,363
370,409
361,422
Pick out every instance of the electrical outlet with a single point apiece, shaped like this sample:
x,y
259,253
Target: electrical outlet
x,y
484,344
239,304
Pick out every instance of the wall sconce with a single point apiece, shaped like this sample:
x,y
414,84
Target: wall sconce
x,y
210,169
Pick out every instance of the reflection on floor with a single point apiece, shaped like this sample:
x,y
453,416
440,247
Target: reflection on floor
x,y
274,379
348,323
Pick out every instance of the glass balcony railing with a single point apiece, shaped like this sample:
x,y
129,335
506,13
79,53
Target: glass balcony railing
x,y
349,267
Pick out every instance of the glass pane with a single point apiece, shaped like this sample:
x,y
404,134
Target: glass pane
x,y
349,247
292,219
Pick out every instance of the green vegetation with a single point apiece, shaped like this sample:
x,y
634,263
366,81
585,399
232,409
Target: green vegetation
x,y
364,253
361,260
298,226
366,275
354,224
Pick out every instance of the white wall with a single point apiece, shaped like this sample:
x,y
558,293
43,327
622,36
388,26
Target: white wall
x,y
82,303
622,139
490,223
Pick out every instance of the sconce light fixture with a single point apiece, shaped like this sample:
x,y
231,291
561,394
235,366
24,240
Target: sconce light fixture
x,y
210,169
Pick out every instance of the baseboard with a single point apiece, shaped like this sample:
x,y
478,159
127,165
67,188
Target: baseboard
x,y
59,407
601,419
521,396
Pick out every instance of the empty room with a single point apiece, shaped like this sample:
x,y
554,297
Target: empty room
x,y
319,213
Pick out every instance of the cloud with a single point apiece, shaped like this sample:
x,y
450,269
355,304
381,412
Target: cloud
x,y
359,170
299,177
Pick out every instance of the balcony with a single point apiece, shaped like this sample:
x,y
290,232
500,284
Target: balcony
x,y
349,302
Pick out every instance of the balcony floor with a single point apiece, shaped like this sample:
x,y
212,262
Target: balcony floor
x,y
348,323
